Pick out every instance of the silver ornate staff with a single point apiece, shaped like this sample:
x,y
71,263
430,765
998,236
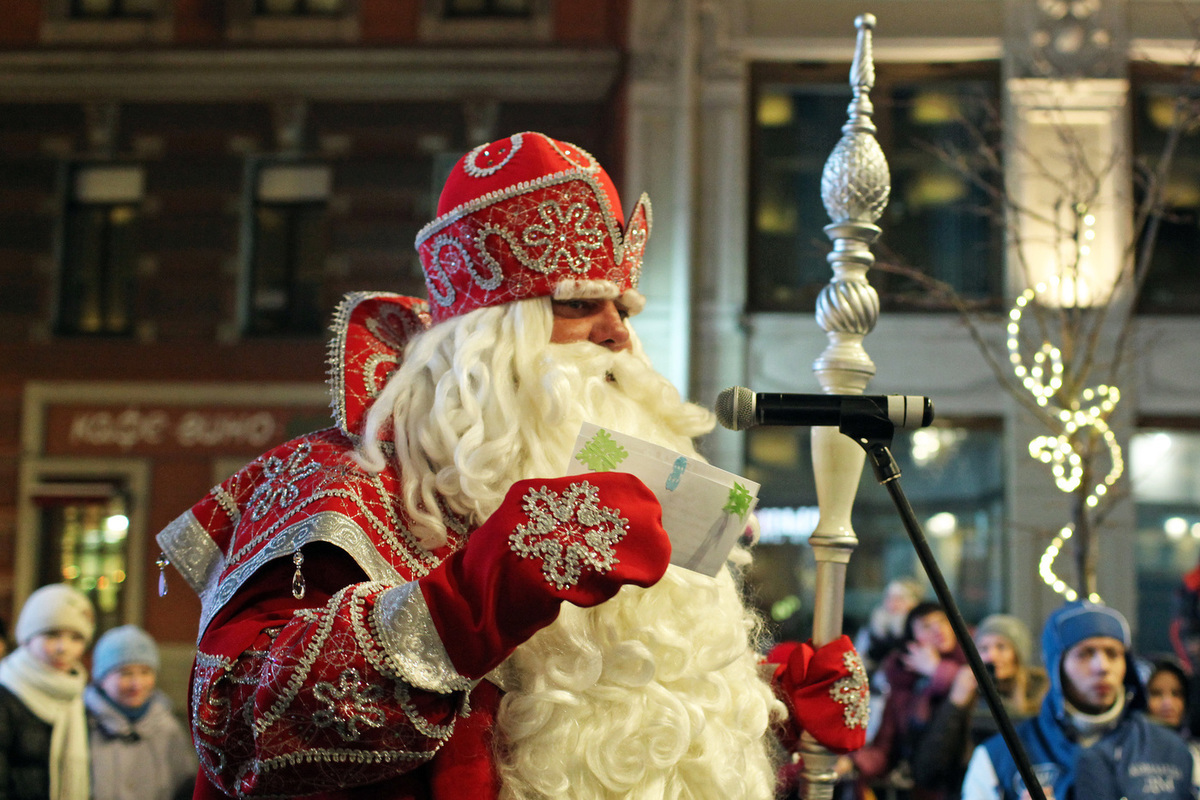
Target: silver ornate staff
x,y
854,187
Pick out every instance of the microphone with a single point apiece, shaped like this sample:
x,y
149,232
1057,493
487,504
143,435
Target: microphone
x,y
739,408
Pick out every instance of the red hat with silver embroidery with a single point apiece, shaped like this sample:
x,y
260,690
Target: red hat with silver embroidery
x,y
530,216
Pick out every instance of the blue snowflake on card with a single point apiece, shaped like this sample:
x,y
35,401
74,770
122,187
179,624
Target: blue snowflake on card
x,y
676,473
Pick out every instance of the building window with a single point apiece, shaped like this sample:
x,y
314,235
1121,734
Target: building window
x,y
938,127
113,9
458,9
83,537
1170,286
100,250
1164,476
508,21
289,244
300,8
953,477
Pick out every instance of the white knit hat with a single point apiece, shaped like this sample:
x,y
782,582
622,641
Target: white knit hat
x,y
56,607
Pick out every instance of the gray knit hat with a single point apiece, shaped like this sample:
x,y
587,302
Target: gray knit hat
x,y
57,607
1012,629
122,646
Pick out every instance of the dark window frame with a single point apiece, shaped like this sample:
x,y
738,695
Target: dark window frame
x,y
884,552
301,9
92,268
117,10
490,9
298,316
896,291
1178,233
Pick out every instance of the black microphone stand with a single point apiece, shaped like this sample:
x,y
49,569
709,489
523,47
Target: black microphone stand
x,y
874,435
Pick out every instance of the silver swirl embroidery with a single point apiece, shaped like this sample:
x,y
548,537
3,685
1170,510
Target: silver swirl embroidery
x,y
567,532
471,165
350,703
279,481
437,272
569,236
853,692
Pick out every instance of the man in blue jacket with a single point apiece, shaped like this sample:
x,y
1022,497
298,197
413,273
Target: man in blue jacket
x,y
1090,740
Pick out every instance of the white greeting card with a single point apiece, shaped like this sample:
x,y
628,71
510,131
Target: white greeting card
x,y
705,509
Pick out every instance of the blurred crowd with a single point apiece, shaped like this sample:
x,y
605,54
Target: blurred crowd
x,y
1095,720
65,736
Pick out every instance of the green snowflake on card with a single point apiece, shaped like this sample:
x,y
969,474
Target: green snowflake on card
x,y
739,500
601,453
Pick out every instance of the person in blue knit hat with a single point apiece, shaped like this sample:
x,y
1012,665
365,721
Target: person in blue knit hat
x,y
1090,739
139,749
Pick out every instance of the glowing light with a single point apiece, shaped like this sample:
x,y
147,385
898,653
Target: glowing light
x,y
1089,410
942,524
1175,527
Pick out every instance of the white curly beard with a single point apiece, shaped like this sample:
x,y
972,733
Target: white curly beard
x,y
655,693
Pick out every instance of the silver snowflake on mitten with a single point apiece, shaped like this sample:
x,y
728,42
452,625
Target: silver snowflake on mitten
x,y
853,692
567,531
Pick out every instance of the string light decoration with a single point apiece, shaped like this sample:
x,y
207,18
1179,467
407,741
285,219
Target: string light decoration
x,y
1043,379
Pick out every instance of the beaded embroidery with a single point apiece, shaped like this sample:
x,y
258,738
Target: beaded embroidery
x,y
471,162
280,477
853,692
568,531
349,703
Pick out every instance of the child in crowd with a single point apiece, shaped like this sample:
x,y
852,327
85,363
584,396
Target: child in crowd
x,y
1166,695
140,750
43,727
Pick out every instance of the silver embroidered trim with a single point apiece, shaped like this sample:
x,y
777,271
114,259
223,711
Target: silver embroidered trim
x,y
225,500
438,277
192,551
406,632
475,171
567,531
335,355
852,692
327,526
370,388
586,176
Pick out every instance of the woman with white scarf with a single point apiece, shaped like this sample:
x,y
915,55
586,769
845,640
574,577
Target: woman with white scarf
x,y
43,726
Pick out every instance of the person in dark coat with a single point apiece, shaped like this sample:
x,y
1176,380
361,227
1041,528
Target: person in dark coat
x,y
919,676
43,728
1006,647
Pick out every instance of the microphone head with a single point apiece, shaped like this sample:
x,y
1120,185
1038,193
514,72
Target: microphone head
x,y
735,408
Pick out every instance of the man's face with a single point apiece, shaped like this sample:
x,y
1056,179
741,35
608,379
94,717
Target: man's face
x,y
998,651
58,649
933,630
1093,674
130,685
601,322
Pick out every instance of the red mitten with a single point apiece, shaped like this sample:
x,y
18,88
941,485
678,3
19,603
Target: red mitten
x,y
579,538
827,690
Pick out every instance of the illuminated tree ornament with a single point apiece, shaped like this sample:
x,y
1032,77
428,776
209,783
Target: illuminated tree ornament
x,y
1091,409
